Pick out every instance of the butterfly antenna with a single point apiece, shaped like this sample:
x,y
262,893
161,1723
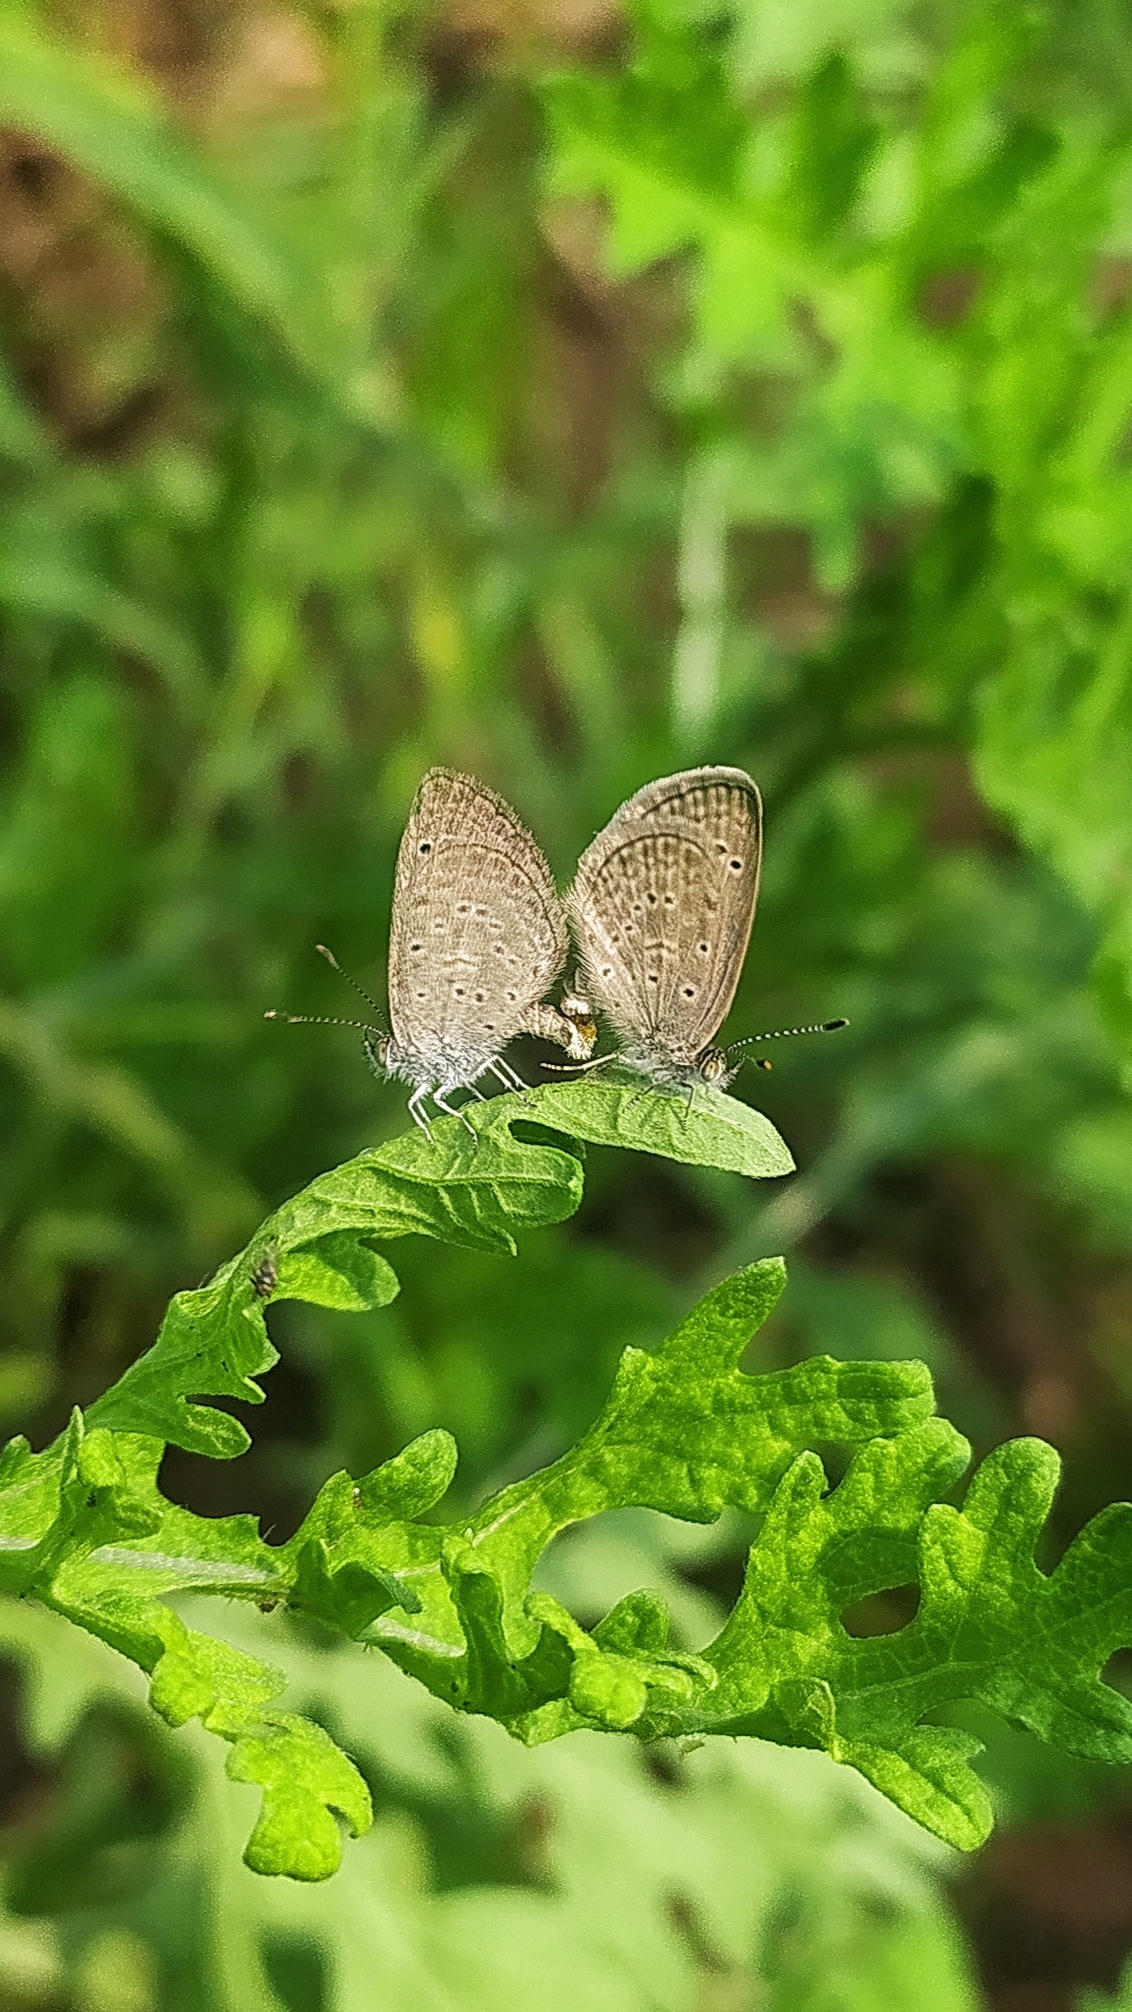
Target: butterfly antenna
x,y
359,989
321,1020
786,1033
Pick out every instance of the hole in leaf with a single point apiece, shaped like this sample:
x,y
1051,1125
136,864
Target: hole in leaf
x,y
947,296
529,1132
1118,1672
833,1453
593,1566
883,1613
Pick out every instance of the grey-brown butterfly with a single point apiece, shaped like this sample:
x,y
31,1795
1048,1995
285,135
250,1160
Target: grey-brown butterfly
x,y
662,907
478,937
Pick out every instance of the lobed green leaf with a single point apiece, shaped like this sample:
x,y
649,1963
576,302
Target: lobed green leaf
x,y
85,1530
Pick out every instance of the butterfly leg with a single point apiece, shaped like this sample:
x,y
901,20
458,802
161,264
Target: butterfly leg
x,y
637,1098
438,1099
509,1077
416,1113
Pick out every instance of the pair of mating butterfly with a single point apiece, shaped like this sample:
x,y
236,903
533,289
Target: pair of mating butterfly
x,y
661,910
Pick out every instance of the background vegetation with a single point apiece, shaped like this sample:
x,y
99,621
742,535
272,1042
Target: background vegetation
x,y
570,395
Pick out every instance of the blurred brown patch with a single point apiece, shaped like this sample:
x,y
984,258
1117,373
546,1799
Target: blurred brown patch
x,y
273,63
83,299
1112,286
485,34
774,564
999,1290
1050,1909
946,298
78,294
954,813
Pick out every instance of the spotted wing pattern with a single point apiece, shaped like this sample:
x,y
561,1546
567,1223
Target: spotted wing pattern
x,y
662,907
478,932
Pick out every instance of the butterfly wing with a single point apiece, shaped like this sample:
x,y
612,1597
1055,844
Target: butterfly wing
x,y
663,903
478,932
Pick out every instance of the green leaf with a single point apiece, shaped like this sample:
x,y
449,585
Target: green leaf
x,y
764,210
636,139
713,1130
481,1192
56,586
84,1528
685,1431
990,1625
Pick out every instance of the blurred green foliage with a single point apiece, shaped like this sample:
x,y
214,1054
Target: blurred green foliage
x,y
569,398
493,1878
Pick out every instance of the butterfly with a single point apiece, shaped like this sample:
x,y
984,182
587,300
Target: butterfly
x,y
478,937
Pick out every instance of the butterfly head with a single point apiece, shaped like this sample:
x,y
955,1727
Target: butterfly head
x,y
375,1048
715,1068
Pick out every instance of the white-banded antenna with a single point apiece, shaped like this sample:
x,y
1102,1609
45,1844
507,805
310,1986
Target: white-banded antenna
x,y
321,1020
786,1033
359,989
331,1019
